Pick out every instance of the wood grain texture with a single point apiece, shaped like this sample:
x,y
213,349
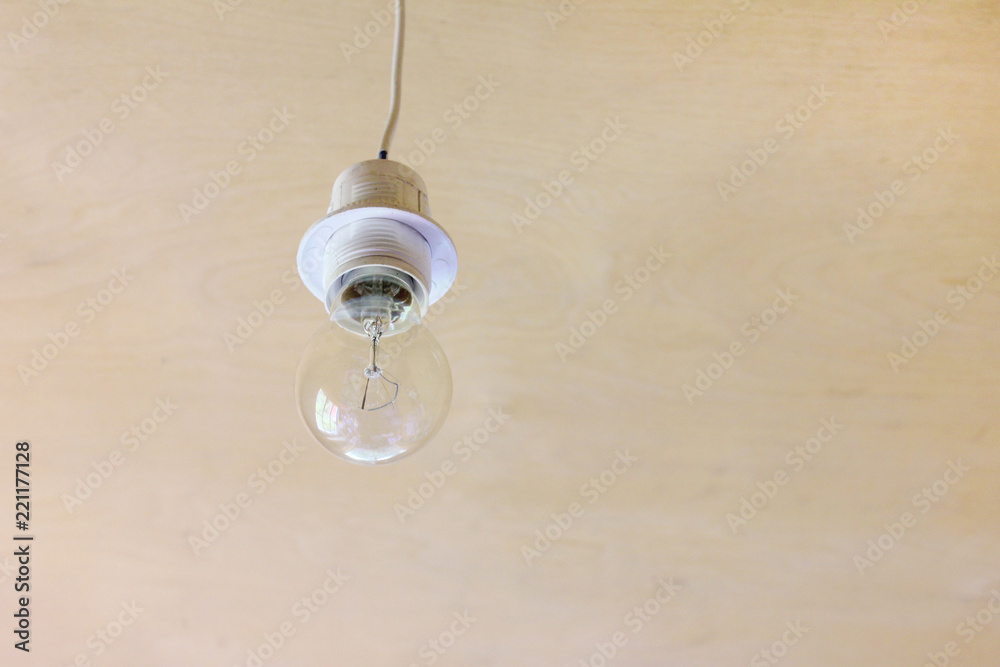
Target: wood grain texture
x,y
929,88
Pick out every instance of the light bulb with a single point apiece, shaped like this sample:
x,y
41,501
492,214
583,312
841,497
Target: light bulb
x,y
373,384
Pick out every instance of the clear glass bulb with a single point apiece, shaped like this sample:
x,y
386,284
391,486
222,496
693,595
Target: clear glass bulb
x,y
373,384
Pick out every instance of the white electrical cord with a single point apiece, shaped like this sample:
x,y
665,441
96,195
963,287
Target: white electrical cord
x,y
397,84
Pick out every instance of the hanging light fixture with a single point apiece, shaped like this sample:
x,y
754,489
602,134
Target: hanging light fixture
x,y
373,384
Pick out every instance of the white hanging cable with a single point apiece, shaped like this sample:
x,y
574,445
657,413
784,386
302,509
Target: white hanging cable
x,y
397,84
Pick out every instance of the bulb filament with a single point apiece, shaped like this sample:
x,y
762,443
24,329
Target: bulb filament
x,y
380,389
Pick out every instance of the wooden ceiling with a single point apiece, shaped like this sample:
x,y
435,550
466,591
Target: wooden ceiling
x,y
723,339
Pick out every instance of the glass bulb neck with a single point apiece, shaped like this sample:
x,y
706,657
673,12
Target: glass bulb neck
x,y
376,303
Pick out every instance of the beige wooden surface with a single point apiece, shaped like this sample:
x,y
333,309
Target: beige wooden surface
x,y
882,93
